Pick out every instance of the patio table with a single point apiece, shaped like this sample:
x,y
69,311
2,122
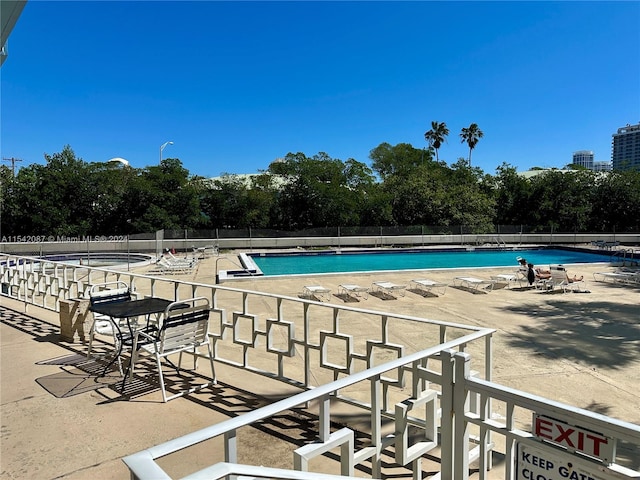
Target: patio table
x,y
128,310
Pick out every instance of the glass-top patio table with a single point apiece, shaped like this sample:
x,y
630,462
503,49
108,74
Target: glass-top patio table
x,y
144,307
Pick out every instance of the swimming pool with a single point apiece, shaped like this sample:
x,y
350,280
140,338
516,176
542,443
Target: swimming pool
x,y
273,264
99,259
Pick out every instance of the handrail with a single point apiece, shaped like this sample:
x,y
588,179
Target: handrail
x,y
235,470
614,430
622,252
598,422
244,269
289,403
143,464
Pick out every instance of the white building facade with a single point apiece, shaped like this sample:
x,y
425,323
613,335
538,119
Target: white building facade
x,y
584,158
625,151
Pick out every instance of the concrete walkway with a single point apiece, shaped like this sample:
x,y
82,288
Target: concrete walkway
x,y
580,349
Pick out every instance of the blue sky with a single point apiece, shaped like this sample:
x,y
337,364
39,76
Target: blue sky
x,y
236,85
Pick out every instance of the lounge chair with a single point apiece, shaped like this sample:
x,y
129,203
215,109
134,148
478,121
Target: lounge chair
x,y
353,290
200,253
316,291
625,278
163,265
171,258
509,278
542,279
473,283
389,288
560,279
522,274
634,276
425,285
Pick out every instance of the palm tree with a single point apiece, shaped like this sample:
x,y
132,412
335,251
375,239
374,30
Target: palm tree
x,y
436,136
472,136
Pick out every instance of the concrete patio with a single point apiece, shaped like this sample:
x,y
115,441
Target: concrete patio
x,y
59,420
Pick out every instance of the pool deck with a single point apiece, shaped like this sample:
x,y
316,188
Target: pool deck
x,y
579,349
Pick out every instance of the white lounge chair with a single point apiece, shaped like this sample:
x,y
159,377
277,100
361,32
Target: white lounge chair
x,y
508,278
316,291
200,253
163,265
625,278
522,275
473,283
171,258
353,290
389,288
560,279
426,285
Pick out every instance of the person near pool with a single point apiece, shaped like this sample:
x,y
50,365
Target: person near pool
x,y
525,265
531,272
539,274
534,273
569,279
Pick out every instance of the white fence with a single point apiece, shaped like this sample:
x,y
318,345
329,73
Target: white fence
x,y
338,355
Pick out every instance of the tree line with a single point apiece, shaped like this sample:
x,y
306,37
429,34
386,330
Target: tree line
x,y
402,186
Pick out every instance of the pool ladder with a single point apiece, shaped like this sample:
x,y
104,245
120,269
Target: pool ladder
x,y
482,240
621,255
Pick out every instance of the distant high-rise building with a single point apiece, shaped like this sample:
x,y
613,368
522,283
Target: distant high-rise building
x,y
584,158
625,151
601,166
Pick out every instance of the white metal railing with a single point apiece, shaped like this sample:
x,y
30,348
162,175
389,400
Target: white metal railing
x,y
466,398
246,324
330,351
143,465
516,426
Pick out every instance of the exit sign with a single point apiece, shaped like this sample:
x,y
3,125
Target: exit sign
x,y
574,439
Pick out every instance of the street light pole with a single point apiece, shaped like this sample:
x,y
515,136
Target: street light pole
x,y
162,148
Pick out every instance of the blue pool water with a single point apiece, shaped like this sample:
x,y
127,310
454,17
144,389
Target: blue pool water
x,y
273,264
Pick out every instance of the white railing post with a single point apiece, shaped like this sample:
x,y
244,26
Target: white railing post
x,y
446,418
231,448
324,418
376,427
462,365
485,462
510,452
487,405
307,349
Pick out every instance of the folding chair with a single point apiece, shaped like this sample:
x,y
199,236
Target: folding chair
x,y
184,328
109,292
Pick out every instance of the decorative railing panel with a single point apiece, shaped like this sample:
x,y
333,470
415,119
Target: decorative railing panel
x,y
306,343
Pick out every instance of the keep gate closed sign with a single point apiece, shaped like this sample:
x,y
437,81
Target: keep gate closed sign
x,y
539,463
